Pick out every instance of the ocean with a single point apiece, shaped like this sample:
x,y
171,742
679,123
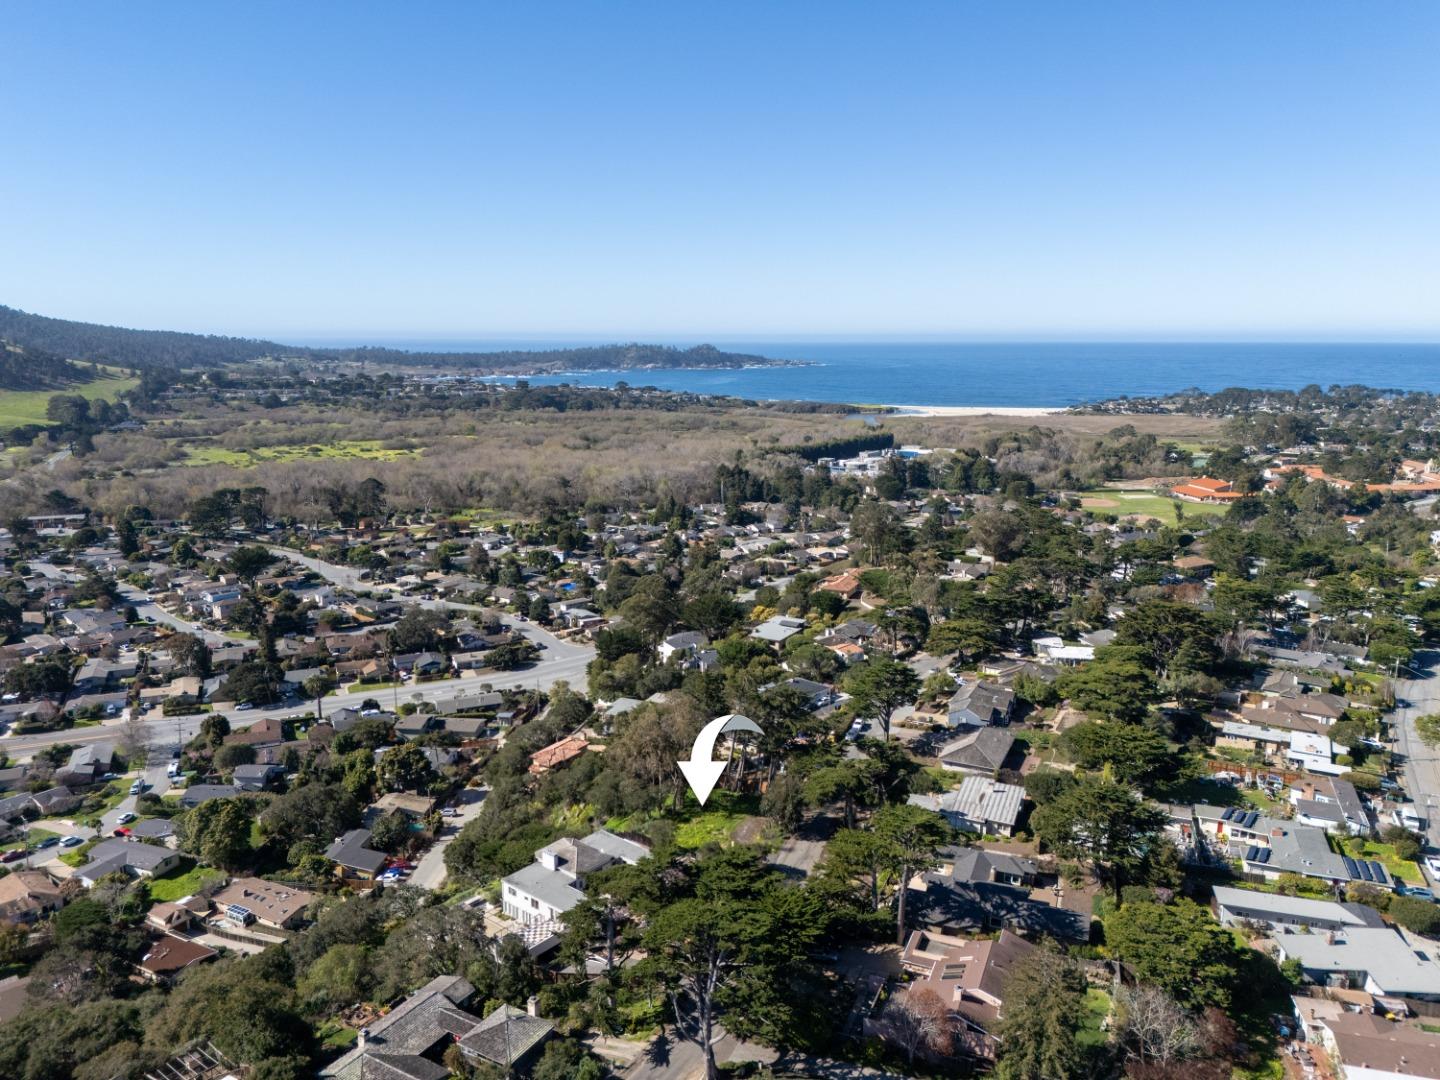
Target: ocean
x,y
1042,375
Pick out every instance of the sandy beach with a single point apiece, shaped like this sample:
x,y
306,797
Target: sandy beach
x,y
971,410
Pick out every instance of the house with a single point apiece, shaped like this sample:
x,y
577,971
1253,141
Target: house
x,y
417,724
268,732
979,753
87,764
154,828
1376,960
1363,1046
196,794
973,864
409,1042
1206,489
415,807
968,976
1333,804
129,857
816,694
1246,907
978,805
555,882
940,902
845,585
979,704
558,753
27,896
168,917
687,643
247,899
778,629
353,860
1054,650
1271,847
256,777
169,955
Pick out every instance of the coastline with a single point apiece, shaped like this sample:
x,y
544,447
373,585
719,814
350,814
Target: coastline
x,y
968,410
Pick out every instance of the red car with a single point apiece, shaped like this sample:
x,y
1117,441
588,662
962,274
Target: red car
x,y
122,831
12,855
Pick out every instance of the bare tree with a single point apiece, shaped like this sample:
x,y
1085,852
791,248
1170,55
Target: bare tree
x,y
1155,1028
919,1021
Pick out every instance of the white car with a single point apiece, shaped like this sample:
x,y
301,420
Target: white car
x,y
1432,866
71,841
125,818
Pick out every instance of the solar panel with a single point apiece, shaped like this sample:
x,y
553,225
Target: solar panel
x,y
1364,868
1250,853
1378,871
1350,867
1228,814
1250,820
1264,855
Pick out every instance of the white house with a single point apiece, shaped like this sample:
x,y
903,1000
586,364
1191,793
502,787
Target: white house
x,y
555,882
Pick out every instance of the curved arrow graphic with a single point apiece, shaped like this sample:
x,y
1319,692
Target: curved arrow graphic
x,y
702,773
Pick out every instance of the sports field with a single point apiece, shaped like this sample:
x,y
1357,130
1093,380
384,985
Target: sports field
x,y
1144,502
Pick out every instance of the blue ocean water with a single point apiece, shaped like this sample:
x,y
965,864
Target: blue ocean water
x,y
1049,374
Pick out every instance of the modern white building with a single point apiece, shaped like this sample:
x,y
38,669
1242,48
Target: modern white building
x,y
555,882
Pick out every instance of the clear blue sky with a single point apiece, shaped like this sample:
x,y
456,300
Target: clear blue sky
x,y
682,170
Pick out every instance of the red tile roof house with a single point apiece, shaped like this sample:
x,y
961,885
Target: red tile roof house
x,y
558,753
1206,489
846,584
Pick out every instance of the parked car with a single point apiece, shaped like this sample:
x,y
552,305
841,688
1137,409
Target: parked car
x,y
125,818
137,787
123,831
71,841
48,842
12,855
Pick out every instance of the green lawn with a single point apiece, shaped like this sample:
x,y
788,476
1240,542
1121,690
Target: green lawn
x,y
350,449
716,822
1097,1009
1144,501
182,882
28,406
336,1036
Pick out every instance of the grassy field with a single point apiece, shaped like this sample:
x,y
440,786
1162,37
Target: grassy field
x,y
28,406
1146,502
182,883
697,826
352,449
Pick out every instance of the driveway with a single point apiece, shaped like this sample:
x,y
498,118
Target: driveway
x,y
156,783
430,870
799,853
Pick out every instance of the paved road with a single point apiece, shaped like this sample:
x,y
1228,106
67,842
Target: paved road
x,y
430,870
1416,698
147,609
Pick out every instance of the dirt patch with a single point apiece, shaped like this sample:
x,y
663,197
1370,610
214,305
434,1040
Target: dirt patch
x,y
750,830
1095,503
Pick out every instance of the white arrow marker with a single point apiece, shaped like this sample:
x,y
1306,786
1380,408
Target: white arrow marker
x,y
702,773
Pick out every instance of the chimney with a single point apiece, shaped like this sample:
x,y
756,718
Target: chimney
x,y
532,1005
362,1037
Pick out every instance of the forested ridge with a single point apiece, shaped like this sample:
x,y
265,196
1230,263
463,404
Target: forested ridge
x,y
174,349
35,369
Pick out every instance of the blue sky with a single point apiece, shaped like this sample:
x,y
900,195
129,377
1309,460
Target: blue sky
x,y
676,170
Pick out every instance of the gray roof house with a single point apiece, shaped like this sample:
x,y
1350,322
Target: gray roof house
x,y
1241,906
130,857
977,704
980,753
409,1042
978,805
256,777
353,857
1378,961
555,882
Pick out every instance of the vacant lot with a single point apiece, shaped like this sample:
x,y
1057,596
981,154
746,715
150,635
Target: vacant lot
x,y
28,406
351,450
1146,503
